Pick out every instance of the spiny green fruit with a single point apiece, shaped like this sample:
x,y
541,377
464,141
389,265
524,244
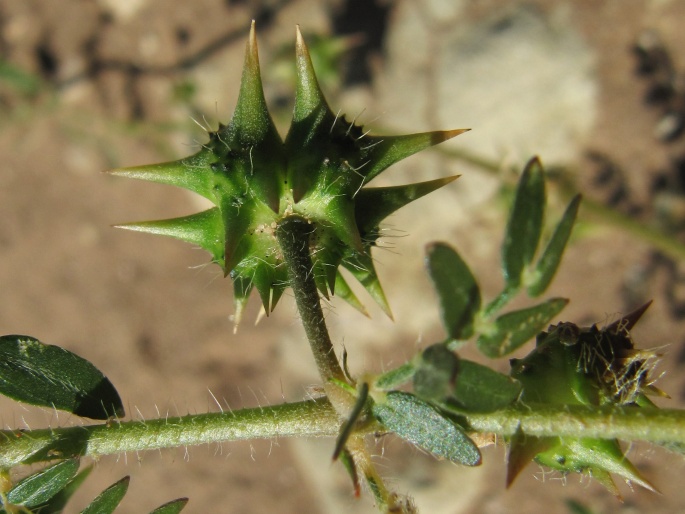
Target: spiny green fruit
x,y
256,180
571,365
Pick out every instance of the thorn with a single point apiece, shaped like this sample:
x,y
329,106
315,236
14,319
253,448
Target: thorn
x,y
449,134
260,315
627,322
299,40
522,450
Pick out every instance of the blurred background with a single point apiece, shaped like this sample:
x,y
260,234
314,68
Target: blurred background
x,y
597,89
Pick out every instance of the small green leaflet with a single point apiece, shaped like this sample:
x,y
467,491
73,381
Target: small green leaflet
x,y
458,291
481,389
514,329
109,499
50,376
436,373
395,377
40,487
548,263
525,223
173,507
423,425
57,503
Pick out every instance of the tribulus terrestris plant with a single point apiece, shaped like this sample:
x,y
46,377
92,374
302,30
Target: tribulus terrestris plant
x,y
289,214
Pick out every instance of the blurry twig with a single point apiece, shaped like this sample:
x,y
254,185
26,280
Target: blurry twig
x,y
264,17
596,211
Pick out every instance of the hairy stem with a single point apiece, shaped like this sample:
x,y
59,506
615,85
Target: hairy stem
x,y
365,468
293,237
313,418
659,426
318,418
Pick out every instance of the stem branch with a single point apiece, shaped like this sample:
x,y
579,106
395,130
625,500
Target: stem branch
x,y
293,237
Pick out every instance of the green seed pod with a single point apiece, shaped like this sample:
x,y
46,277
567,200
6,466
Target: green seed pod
x,y
256,180
574,365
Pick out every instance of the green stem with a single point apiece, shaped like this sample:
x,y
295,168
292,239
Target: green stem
x,y
650,235
659,426
293,237
318,418
313,418
499,302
